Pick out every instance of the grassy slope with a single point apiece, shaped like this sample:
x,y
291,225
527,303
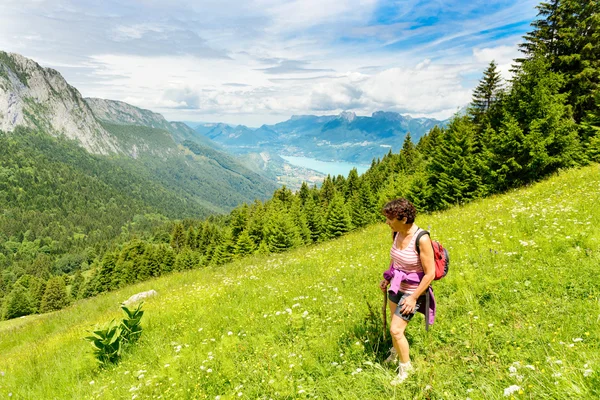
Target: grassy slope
x,y
523,285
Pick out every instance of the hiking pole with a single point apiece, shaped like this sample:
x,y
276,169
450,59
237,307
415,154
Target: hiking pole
x,y
384,314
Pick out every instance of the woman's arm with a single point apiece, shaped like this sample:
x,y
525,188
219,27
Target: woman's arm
x,y
428,263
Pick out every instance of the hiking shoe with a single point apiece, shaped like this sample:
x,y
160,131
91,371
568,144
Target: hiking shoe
x,y
404,370
392,358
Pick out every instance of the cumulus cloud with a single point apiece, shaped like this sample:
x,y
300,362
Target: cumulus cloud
x,y
269,59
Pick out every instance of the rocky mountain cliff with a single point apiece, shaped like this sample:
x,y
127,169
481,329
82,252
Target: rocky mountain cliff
x,y
118,112
37,97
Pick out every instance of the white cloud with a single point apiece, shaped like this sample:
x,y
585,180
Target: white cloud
x,y
503,55
255,60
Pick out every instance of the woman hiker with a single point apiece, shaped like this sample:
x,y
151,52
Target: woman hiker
x,y
409,278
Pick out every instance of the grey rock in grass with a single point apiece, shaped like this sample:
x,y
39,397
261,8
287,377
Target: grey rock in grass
x,y
140,296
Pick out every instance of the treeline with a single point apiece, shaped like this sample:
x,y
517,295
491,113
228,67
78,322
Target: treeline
x,y
514,133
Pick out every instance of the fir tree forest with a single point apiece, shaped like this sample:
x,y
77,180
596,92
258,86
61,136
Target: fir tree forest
x,y
53,252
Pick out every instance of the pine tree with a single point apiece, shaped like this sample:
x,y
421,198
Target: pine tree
x,y
486,94
304,193
77,285
409,153
338,219
239,221
352,184
567,34
191,239
153,259
245,245
299,218
314,219
280,233
36,292
55,296
539,134
178,237
167,258
91,286
327,191
451,172
186,260
17,303
107,273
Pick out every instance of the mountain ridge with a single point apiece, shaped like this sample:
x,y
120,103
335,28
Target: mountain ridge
x,y
342,137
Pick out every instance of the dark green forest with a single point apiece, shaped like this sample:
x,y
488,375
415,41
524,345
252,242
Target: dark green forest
x,y
515,133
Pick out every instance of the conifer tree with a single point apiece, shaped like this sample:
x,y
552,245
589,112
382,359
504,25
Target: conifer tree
x,y
314,219
409,153
538,134
36,292
299,219
178,237
191,239
358,214
17,303
419,192
352,184
451,171
107,279
55,296
567,34
263,248
368,202
280,232
185,260
338,219
167,258
77,285
304,193
486,94
239,220
327,191
245,245
91,286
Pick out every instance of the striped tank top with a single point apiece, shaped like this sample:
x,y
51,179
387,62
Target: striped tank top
x,y
407,260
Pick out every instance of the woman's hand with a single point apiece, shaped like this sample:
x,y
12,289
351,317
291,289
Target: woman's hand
x,y
408,305
383,285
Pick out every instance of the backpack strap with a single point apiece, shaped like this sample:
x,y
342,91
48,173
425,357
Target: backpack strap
x,y
422,232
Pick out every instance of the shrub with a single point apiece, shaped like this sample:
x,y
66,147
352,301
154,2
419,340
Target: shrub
x,y
110,342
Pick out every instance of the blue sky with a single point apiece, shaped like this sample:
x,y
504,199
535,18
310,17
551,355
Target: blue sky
x,y
261,61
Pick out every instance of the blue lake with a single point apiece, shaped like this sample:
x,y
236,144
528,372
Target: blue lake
x,y
333,168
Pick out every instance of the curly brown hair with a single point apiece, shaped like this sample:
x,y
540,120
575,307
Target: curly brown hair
x,y
400,208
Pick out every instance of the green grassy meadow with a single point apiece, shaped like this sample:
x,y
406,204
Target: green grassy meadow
x,y
520,306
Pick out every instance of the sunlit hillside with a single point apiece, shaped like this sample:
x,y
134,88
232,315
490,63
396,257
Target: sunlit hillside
x,y
517,315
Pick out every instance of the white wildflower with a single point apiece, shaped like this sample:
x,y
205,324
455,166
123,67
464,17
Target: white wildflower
x,y
92,382
511,389
588,372
531,367
167,365
578,340
229,333
208,371
556,375
301,391
512,369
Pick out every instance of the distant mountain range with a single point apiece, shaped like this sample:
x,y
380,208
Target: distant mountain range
x,y
138,141
344,137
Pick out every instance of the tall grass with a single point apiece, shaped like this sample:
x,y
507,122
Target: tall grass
x,y
520,307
